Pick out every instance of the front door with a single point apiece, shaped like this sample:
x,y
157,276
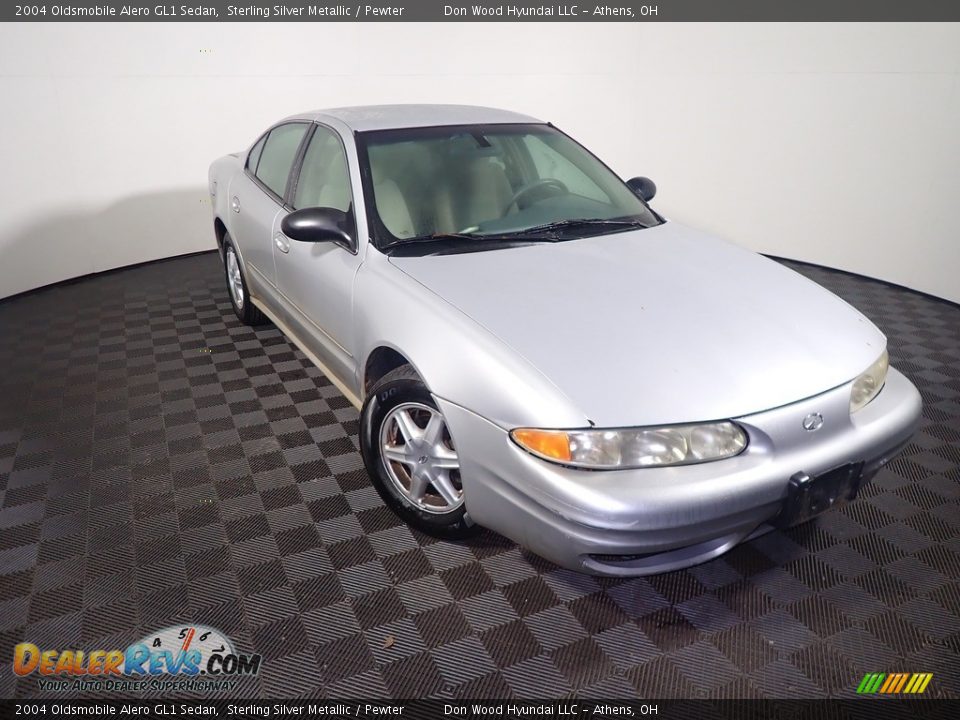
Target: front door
x,y
316,279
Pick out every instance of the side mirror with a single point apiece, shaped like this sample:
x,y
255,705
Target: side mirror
x,y
318,224
644,187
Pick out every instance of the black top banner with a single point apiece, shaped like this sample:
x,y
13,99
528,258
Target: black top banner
x,y
486,11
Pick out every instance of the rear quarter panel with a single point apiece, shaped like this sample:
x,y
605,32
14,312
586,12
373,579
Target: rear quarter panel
x,y
221,174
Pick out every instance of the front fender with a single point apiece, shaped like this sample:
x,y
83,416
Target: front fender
x,y
458,359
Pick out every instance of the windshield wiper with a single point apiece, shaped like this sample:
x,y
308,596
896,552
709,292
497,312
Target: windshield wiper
x,y
579,223
548,232
436,237
463,240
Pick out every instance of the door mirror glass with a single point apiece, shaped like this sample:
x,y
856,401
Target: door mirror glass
x,y
319,224
644,187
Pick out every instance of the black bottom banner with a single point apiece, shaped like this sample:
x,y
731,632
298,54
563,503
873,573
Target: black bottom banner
x,y
867,708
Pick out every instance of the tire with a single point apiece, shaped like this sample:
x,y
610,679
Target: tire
x,y
426,471
246,311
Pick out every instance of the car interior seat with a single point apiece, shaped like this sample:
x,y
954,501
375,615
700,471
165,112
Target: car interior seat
x,y
335,191
325,180
481,191
393,209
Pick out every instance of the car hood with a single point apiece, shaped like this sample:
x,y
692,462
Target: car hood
x,y
662,325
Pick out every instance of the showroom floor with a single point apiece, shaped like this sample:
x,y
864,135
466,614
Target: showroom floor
x,y
161,464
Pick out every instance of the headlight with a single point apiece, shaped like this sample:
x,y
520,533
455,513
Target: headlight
x,y
634,447
866,387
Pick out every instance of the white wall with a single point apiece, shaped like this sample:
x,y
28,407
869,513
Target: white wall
x,y
837,144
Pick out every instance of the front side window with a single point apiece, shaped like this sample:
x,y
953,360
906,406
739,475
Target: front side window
x,y
324,178
277,156
490,181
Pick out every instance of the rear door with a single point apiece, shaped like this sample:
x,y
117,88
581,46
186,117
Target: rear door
x,y
256,200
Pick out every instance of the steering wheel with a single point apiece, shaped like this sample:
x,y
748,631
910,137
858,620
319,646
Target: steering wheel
x,y
545,187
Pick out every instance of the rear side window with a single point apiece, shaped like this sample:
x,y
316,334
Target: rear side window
x,y
278,154
254,157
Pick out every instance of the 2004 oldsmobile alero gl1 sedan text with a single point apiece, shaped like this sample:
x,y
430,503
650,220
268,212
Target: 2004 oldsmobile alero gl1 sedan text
x,y
535,350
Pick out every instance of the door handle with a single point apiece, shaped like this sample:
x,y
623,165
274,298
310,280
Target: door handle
x,y
235,204
281,242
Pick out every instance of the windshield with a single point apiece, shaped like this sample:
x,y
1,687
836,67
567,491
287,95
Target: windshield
x,y
488,182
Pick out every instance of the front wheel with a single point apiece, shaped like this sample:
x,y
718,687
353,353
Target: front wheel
x,y
411,458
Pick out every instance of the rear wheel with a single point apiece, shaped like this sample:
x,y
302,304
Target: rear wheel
x,y
411,457
246,311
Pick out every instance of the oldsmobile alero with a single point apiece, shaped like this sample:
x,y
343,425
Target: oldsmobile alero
x,y
534,349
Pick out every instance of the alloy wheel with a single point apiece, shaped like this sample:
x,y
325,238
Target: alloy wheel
x,y
420,458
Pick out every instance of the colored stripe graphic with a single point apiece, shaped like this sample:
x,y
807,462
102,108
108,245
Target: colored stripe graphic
x,y
894,683
918,683
870,683
904,679
891,682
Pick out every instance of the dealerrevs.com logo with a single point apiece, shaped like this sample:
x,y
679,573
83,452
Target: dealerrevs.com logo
x,y
175,658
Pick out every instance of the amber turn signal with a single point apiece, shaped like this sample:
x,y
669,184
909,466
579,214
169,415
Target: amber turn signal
x,y
551,444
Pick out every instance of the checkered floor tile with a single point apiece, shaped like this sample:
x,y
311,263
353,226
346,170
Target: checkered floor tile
x,y
160,464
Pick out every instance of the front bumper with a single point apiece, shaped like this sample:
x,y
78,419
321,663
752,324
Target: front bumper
x,y
639,522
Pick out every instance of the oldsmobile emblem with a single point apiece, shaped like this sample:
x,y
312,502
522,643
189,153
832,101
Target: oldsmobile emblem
x,y
813,421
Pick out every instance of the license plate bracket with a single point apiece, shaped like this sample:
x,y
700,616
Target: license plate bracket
x,y
809,496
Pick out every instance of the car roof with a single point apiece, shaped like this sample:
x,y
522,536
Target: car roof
x,y
385,117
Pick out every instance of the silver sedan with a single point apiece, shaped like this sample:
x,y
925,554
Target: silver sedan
x,y
535,350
